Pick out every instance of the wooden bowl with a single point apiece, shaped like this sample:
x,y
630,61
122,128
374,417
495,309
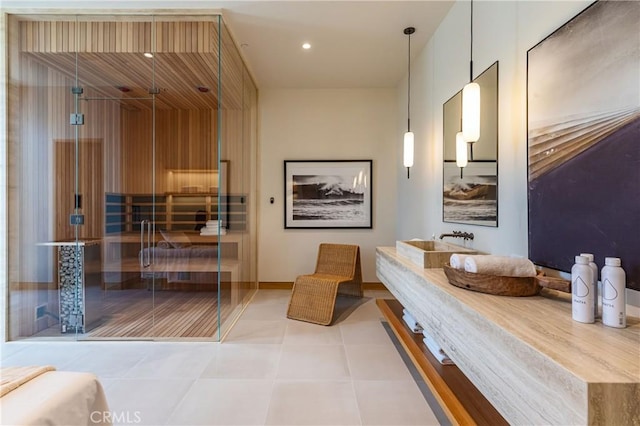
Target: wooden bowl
x,y
492,284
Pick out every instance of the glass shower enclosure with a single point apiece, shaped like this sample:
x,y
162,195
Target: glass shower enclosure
x,y
132,153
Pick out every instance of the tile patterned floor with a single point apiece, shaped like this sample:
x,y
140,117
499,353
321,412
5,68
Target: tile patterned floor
x,y
268,371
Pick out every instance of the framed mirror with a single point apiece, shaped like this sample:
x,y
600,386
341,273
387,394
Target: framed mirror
x,y
470,193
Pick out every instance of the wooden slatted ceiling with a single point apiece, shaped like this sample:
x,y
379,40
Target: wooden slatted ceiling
x,y
118,37
110,55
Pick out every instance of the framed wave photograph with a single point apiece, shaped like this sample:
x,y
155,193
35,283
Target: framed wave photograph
x,y
473,198
328,194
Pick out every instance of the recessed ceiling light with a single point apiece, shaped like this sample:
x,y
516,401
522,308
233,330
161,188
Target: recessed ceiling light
x,y
306,46
148,55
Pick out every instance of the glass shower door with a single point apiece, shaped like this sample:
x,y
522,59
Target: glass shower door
x,y
151,92
189,176
115,164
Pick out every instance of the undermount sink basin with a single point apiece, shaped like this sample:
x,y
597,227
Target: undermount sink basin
x,y
429,254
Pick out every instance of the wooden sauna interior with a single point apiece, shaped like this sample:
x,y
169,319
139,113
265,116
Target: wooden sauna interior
x,y
151,126
111,65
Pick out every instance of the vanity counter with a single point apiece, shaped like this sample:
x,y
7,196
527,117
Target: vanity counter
x,y
525,354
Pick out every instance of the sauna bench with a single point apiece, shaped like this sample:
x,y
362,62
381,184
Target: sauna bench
x,y
526,355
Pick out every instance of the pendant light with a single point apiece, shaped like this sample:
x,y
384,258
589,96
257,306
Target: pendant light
x,y
471,102
408,136
461,152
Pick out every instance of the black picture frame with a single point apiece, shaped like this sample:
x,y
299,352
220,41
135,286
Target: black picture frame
x,y
583,122
470,195
328,194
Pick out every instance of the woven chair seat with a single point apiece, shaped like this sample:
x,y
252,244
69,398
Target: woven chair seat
x,y
338,271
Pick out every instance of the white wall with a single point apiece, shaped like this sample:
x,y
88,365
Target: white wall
x,y
503,31
323,125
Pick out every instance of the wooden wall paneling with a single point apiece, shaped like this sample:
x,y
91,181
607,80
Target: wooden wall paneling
x,y
31,215
248,179
100,129
40,215
8,32
186,139
232,72
102,124
232,147
136,159
113,171
29,206
31,174
181,37
202,143
26,297
90,187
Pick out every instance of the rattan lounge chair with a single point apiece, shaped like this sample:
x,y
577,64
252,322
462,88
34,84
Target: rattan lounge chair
x,y
338,271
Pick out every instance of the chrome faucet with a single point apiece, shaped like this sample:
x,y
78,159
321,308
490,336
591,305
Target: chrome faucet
x,y
459,234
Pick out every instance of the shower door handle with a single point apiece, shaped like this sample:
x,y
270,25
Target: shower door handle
x,y
143,263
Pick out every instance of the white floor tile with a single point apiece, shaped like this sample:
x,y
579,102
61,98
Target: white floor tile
x,y
313,362
174,360
61,355
244,361
224,402
112,359
305,333
268,370
376,362
268,297
365,333
346,306
254,331
313,403
151,401
8,349
265,312
368,311
393,403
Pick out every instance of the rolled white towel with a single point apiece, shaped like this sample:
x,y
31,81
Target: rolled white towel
x,y
436,350
163,244
457,260
502,266
412,323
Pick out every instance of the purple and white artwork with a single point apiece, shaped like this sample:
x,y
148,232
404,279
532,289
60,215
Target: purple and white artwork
x,y
583,103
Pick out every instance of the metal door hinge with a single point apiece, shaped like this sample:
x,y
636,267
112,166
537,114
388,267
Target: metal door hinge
x,y
76,219
76,119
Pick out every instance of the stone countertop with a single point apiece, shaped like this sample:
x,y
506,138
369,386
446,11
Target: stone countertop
x,y
526,354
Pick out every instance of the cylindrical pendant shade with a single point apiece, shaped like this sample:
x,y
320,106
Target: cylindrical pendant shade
x,y
471,112
461,150
408,149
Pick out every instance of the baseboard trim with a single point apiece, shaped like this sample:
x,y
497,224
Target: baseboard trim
x,y
373,286
270,285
